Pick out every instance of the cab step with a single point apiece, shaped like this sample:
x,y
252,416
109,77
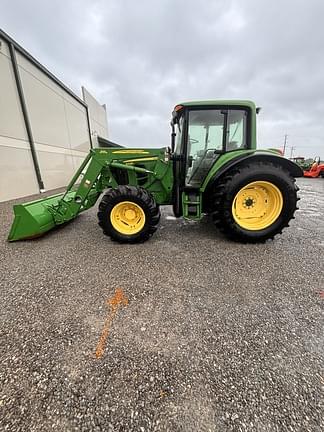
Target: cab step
x,y
192,204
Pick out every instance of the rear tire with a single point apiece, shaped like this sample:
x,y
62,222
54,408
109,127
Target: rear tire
x,y
253,203
128,214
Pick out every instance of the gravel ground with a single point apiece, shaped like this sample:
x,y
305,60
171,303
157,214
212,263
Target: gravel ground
x,y
216,336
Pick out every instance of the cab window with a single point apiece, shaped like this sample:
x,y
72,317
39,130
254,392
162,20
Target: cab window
x,y
236,131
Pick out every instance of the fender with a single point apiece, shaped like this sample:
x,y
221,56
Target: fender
x,y
257,156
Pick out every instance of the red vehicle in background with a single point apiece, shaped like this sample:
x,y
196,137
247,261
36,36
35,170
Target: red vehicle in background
x,y
316,170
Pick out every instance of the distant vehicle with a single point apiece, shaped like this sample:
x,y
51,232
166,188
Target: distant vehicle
x,y
316,169
302,162
299,160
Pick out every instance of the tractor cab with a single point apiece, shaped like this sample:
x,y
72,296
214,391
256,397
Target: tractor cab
x,y
202,132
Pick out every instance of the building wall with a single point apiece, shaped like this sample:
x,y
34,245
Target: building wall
x,y
17,175
59,125
58,121
97,117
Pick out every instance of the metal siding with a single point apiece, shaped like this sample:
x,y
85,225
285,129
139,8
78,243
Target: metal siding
x,y
97,116
46,111
76,118
59,125
11,118
58,121
17,176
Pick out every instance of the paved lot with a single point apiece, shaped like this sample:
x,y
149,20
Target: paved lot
x,y
216,336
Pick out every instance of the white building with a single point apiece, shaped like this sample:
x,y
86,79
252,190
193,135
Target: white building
x,y
45,129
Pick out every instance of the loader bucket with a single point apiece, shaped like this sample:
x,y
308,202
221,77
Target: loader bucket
x,y
33,219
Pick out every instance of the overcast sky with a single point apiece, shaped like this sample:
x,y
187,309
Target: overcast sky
x,y
143,57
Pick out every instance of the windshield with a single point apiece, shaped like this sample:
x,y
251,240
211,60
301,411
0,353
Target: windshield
x,y
210,132
206,130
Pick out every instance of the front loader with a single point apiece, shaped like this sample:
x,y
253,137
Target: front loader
x,y
212,167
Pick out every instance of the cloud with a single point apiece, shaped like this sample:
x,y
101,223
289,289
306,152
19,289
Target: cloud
x,y
142,58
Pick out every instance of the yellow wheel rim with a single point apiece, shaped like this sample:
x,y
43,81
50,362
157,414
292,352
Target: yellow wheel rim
x,y
257,205
127,218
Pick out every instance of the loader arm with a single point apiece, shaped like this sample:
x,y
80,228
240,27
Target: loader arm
x,y
94,175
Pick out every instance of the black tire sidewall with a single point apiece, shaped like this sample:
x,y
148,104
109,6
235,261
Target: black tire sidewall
x,y
277,177
116,235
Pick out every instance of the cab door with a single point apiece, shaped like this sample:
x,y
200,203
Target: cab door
x,y
206,130
179,164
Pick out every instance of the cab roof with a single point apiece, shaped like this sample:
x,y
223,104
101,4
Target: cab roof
x,y
239,102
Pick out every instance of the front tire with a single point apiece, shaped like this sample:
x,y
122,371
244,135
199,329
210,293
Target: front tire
x,y
128,214
253,203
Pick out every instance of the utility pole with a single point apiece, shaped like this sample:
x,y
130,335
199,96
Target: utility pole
x,y
285,144
292,151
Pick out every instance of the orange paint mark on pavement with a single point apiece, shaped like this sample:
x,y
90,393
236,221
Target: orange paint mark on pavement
x,y
119,299
321,294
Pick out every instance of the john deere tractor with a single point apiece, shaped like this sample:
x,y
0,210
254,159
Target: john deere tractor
x,y
212,167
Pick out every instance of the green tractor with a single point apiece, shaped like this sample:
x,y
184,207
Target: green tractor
x,y
304,164
212,167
